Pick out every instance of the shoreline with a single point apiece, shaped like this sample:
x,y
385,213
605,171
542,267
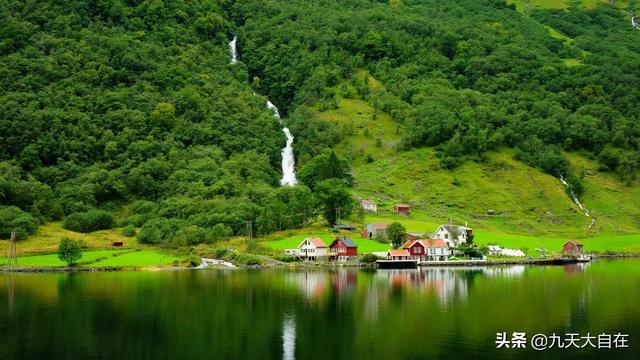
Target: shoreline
x,y
297,266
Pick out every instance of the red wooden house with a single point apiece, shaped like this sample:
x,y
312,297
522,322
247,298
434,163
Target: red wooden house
x,y
344,247
573,248
415,248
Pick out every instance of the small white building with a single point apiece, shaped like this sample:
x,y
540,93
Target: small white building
x,y
369,205
453,235
310,249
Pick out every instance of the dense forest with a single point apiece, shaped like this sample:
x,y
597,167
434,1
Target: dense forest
x,y
465,77
132,108
129,113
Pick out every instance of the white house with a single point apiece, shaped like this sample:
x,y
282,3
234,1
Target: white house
x,y
435,249
369,205
453,235
310,249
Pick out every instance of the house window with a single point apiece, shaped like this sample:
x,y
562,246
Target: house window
x,y
446,236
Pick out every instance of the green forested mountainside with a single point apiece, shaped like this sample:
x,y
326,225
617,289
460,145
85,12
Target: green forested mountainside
x,y
465,77
130,109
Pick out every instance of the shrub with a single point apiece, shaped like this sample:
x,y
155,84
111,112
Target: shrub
x,y
368,258
89,221
286,259
220,253
14,219
382,238
129,231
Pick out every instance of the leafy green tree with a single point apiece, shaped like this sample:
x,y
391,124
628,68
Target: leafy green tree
x,y
70,251
335,199
396,233
325,166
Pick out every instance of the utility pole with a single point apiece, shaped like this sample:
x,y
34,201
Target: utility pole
x,y
249,230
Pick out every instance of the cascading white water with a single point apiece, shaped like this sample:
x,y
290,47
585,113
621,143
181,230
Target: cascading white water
x,y
573,196
234,50
288,159
634,22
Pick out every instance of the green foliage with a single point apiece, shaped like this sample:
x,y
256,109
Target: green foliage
x,y
129,231
70,251
335,198
464,84
368,258
13,219
471,251
159,231
326,165
132,103
396,233
89,221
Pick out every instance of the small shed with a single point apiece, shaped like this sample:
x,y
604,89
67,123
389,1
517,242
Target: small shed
x,y
402,209
573,248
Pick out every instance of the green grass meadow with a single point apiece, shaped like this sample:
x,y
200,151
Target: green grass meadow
x,y
100,258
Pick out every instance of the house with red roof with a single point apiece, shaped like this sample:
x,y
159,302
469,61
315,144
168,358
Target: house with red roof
x,y
344,248
573,248
400,254
427,249
415,248
310,249
435,250
374,230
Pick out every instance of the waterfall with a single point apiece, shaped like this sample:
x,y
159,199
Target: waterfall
x,y
634,22
234,50
288,159
573,196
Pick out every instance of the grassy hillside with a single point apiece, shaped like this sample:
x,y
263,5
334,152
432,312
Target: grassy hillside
x,y
562,4
40,249
498,194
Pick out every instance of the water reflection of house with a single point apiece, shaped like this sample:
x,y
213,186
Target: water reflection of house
x,y
312,284
505,271
343,281
575,268
447,283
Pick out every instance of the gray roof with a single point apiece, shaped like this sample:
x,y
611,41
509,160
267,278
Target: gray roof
x,y
347,241
455,230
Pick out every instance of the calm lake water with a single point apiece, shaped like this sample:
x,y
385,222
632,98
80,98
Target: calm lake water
x,y
435,313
